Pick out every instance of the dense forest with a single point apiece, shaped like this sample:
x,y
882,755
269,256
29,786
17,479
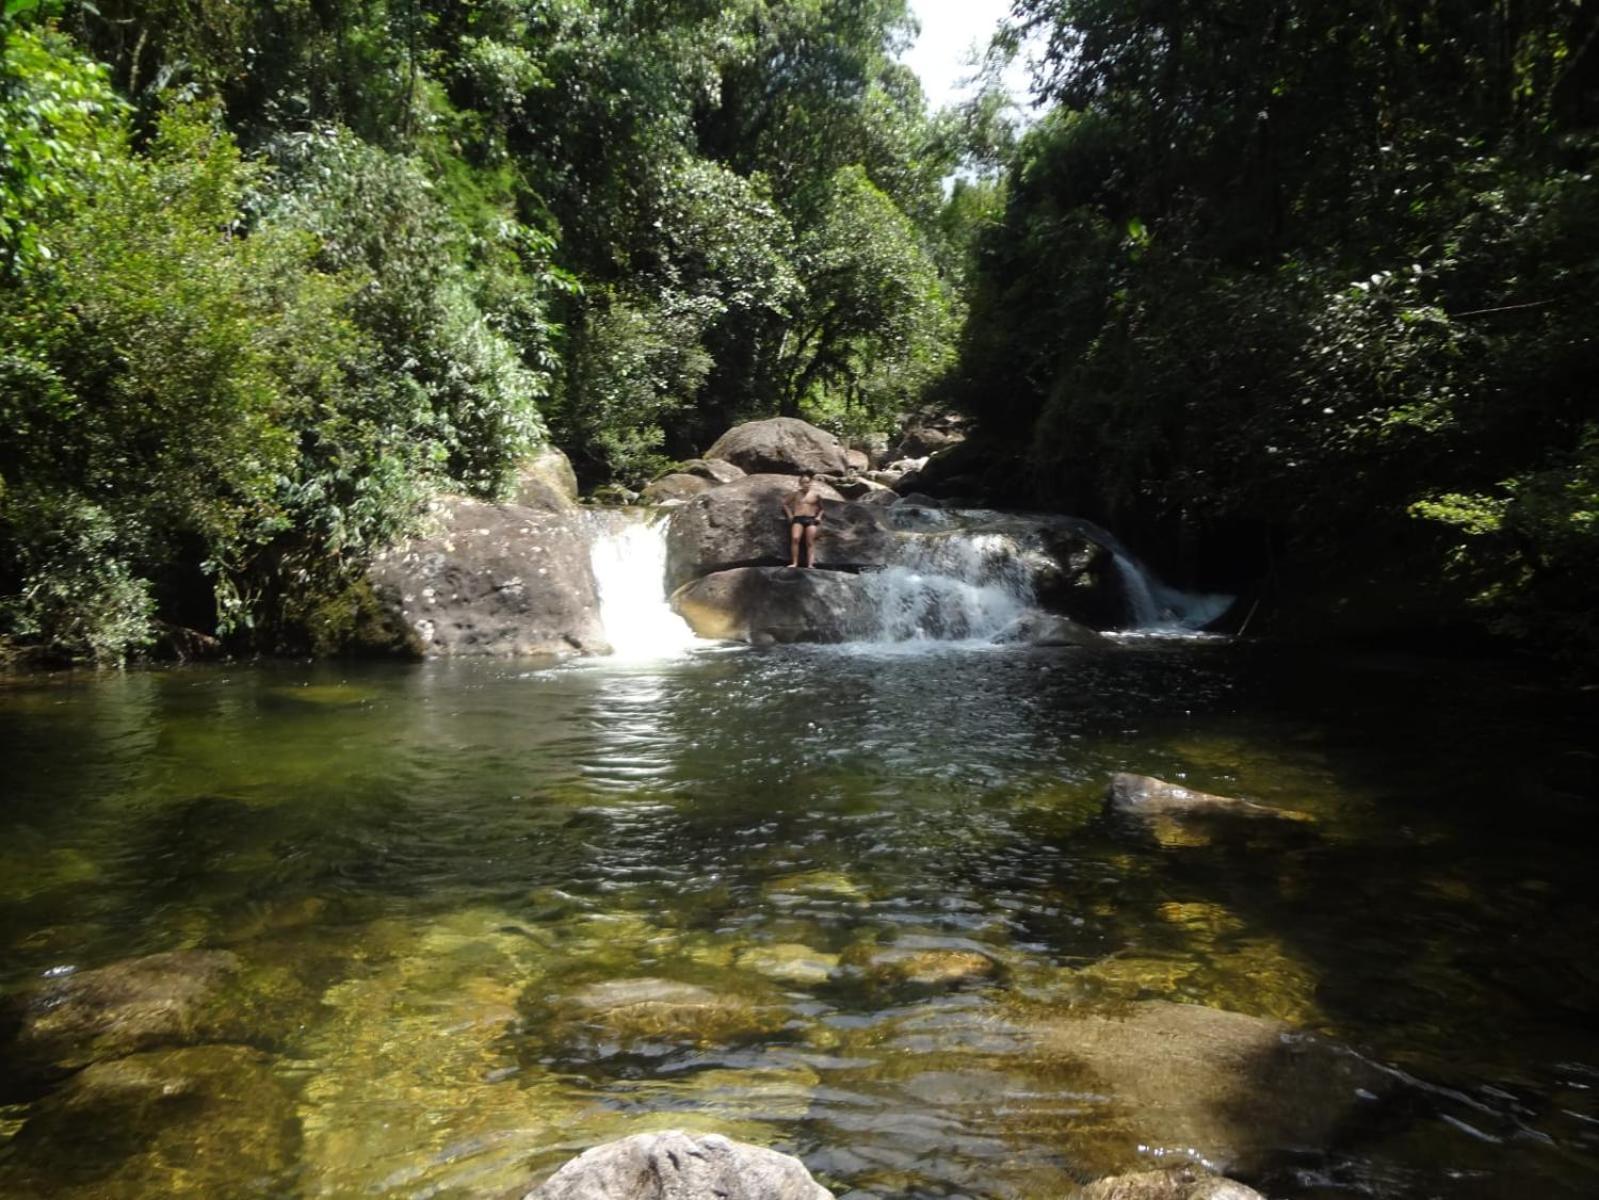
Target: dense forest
x,y
1299,298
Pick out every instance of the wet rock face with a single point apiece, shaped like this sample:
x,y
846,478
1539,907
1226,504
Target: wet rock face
x,y
781,446
675,1165
171,999
742,525
766,605
1146,796
496,579
1179,1183
204,1121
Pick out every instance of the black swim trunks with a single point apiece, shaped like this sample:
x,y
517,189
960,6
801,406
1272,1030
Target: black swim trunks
x,y
807,522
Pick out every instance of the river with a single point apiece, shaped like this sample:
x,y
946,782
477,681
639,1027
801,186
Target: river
x,y
872,890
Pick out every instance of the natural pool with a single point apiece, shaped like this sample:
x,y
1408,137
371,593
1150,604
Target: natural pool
x,y
862,906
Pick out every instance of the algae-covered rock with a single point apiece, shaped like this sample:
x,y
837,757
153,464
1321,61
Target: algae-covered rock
x,y
414,1074
1186,1182
631,1012
681,1166
1220,1086
789,962
172,999
202,1122
921,966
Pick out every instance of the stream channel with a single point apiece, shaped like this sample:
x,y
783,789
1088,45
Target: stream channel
x,y
862,903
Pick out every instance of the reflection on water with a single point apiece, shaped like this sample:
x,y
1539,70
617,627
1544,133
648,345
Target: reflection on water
x,y
858,904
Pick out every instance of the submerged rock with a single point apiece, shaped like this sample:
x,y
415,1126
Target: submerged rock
x,y
630,1011
677,1165
1186,1182
204,1121
1219,1086
496,579
1049,629
781,445
1146,796
171,999
767,605
741,524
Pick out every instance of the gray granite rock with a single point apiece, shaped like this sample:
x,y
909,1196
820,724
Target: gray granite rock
x,y
675,1165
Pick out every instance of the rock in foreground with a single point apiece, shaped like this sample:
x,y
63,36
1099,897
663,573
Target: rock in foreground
x,y
674,1165
782,446
1179,1183
1146,796
766,605
496,579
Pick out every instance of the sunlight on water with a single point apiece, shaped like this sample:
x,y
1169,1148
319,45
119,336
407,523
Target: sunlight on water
x,y
863,904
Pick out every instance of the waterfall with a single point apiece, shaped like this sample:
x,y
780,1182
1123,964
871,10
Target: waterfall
x,y
1152,606
628,553
950,587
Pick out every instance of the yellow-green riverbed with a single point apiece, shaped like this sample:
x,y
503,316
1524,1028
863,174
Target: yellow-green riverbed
x,y
863,907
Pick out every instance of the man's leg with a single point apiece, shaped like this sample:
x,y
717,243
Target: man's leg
x,y
810,544
795,532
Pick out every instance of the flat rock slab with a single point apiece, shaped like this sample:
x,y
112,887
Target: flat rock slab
x,y
1146,796
769,605
496,580
674,1165
781,445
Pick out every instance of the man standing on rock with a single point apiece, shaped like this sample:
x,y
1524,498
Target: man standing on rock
x,y
803,507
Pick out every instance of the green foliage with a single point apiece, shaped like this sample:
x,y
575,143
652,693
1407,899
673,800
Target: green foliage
x,y
57,128
1321,288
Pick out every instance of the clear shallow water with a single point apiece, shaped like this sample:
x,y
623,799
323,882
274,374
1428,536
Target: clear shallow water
x,y
861,906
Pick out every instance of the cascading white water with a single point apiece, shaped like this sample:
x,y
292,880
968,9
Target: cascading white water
x,y
950,587
629,557
1154,607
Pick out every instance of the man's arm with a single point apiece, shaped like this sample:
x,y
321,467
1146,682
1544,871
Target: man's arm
x,y
788,504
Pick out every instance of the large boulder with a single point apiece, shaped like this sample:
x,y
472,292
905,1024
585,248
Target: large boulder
x,y
920,441
675,488
781,446
495,579
741,524
1146,796
763,605
677,1165
545,481
172,999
